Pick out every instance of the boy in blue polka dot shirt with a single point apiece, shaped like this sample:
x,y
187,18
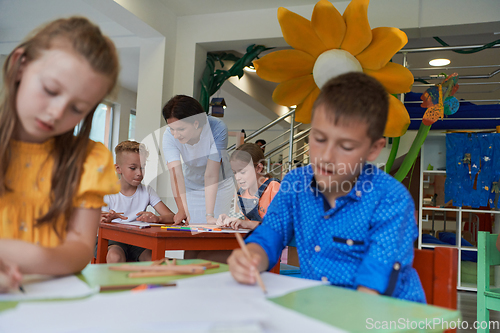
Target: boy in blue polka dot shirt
x,y
354,224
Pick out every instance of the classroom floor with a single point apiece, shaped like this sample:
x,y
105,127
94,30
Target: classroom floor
x,y
467,304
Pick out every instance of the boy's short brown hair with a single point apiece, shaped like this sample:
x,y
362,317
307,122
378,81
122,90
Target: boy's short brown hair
x,y
131,147
355,97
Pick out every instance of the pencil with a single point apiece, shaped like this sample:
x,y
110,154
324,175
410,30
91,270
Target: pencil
x,y
247,253
132,286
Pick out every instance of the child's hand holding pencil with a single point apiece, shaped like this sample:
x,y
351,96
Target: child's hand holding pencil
x,y
10,277
246,263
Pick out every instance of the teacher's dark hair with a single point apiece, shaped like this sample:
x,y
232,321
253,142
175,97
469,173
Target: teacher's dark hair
x,y
184,107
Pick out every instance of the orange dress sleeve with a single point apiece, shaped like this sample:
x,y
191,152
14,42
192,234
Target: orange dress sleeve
x,y
267,197
98,178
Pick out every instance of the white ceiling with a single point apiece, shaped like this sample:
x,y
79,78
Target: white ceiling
x,y
200,7
19,17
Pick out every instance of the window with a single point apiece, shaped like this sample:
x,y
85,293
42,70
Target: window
x,y
101,124
131,126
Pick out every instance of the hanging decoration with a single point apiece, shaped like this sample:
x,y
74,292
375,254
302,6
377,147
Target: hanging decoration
x,y
439,101
329,45
433,100
213,79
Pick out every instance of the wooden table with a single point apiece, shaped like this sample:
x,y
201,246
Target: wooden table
x,y
159,240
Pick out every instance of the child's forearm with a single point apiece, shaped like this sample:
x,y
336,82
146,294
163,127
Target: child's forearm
x,y
70,257
167,218
250,224
255,248
367,290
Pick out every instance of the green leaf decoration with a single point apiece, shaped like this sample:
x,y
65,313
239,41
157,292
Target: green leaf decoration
x,y
212,79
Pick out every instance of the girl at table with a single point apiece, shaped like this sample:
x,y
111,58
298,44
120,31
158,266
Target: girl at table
x,y
52,182
203,186
256,189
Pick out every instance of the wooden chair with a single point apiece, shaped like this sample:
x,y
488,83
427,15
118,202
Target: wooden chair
x,y
438,273
487,298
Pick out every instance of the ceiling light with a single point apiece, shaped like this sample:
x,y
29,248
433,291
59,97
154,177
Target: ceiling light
x,y
439,62
250,68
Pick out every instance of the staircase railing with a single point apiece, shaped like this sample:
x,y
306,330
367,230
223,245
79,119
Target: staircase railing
x,y
295,156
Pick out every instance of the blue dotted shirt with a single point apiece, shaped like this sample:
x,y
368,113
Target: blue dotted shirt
x,y
366,239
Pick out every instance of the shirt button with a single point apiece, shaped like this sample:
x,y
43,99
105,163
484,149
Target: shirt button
x,y
255,202
358,194
397,266
349,242
317,248
324,279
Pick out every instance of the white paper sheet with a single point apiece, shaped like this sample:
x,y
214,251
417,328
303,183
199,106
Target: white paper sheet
x,y
276,285
139,224
159,310
210,227
38,287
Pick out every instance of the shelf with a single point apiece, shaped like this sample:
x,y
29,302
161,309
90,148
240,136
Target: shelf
x,y
436,172
463,248
468,210
439,209
433,152
467,287
431,246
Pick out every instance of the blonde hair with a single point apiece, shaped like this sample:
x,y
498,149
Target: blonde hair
x,y
130,147
69,151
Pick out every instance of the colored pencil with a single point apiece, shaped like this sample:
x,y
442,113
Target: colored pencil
x,y
132,286
247,253
180,269
160,273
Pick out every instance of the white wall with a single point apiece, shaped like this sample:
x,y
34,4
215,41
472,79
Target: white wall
x,y
155,83
404,145
239,115
125,101
2,60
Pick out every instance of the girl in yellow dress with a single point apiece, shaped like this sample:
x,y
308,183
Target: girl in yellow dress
x,y
52,182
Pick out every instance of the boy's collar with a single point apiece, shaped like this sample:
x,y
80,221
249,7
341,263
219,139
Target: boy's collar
x,y
359,188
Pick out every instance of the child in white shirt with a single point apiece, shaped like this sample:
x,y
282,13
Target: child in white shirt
x,y
131,202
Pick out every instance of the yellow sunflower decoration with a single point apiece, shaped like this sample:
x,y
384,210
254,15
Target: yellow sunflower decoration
x,y
329,45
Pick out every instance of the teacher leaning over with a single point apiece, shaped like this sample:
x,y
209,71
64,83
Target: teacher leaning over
x,y
202,184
